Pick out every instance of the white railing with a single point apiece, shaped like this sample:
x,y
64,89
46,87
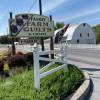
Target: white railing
x,y
40,73
81,46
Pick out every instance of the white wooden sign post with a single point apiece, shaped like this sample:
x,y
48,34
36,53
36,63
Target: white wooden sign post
x,y
36,67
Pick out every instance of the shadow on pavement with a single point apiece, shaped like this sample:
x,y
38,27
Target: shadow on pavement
x,y
91,69
90,91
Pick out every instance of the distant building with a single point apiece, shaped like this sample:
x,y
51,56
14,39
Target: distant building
x,y
75,34
26,40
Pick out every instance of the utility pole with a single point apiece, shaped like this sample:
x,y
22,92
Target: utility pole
x,y
51,42
12,38
40,9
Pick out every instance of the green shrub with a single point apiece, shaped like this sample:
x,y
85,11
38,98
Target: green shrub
x,y
56,86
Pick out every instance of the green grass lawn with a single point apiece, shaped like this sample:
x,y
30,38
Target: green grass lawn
x,y
56,86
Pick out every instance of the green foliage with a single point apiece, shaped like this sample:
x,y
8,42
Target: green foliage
x,y
6,40
59,25
53,66
56,86
97,31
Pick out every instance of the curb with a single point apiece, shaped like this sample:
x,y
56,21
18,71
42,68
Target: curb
x,y
82,91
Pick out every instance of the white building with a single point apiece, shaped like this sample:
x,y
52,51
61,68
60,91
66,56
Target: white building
x,y
76,34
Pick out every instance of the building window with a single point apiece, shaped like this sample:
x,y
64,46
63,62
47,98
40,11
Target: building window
x,y
88,34
78,41
80,34
84,24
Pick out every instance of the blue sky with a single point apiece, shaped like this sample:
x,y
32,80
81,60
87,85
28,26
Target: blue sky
x,y
67,11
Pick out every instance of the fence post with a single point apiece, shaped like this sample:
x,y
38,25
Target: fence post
x,y
62,51
36,67
65,54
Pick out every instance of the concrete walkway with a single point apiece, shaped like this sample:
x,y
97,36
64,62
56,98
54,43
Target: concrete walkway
x,y
94,72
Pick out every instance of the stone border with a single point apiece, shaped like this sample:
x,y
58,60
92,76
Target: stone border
x,y
82,91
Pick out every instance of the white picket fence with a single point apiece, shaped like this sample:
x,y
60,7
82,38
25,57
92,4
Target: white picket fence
x,y
81,46
41,73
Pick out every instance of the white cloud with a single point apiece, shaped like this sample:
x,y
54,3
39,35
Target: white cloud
x,y
49,5
81,14
53,4
90,20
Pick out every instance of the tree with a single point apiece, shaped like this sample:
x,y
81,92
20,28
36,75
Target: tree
x,y
6,40
59,25
97,31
